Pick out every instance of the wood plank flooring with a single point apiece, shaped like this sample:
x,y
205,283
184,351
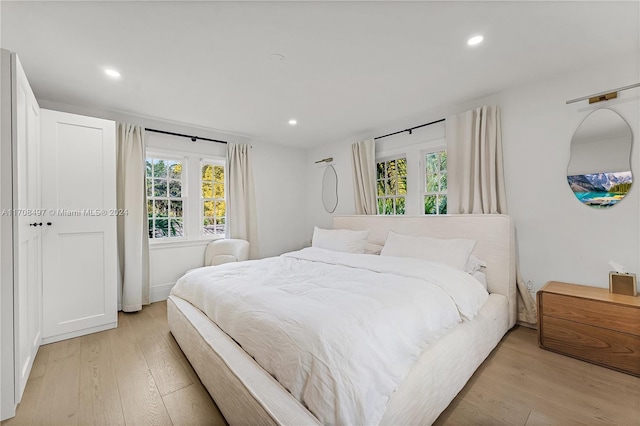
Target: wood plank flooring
x,y
521,384
136,374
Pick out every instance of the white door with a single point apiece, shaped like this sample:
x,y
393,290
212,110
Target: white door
x,y
27,230
79,232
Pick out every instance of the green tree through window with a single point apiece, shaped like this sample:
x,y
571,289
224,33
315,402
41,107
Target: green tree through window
x,y
214,207
435,183
391,180
164,198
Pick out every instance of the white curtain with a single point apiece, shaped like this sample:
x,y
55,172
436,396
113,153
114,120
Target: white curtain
x,y
133,228
363,156
476,177
241,200
474,154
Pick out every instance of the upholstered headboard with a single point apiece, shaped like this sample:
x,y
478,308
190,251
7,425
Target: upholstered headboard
x,y
494,233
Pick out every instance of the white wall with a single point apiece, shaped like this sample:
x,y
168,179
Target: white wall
x,y
169,260
558,237
280,181
427,138
279,174
315,212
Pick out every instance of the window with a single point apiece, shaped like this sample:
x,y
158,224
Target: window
x,y
165,197
392,186
435,182
214,207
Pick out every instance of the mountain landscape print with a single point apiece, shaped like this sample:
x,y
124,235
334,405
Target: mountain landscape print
x,y
601,189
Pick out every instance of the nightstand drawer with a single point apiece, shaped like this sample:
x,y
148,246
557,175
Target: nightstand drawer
x,y
609,348
613,316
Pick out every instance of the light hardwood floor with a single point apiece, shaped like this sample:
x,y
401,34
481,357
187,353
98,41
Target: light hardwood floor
x,y
136,374
521,384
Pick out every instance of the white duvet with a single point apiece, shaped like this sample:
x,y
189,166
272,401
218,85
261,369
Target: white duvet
x,y
339,331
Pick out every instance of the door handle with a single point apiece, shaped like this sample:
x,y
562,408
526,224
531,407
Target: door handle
x,y
33,224
49,224
40,224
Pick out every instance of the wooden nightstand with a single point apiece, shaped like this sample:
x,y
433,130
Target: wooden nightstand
x,y
591,324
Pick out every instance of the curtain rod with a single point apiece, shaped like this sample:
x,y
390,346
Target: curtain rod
x,y
411,129
193,138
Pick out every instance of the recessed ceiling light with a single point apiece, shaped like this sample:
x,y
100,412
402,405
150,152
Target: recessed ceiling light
x,y
475,40
112,73
293,122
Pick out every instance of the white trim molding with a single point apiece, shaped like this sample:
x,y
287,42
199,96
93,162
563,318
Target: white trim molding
x,y
160,292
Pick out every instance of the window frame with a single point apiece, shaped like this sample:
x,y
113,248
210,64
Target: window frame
x,y
191,194
212,162
386,159
183,159
424,192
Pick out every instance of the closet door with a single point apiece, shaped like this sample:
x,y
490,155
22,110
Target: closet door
x,y
79,234
27,229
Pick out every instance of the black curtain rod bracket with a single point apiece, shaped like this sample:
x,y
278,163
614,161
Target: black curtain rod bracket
x,y
410,130
193,138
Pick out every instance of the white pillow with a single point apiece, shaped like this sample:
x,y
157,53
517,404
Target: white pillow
x,y
452,252
474,264
373,248
340,240
480,276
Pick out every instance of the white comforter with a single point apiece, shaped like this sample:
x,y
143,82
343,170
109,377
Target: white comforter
x,y
339,331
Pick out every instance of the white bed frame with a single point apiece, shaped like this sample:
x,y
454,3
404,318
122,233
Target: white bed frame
x,y
247,394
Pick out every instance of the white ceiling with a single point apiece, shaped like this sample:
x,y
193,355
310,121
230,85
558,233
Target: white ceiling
x,y
350,68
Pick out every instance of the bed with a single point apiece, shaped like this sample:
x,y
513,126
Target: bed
x,y
247,394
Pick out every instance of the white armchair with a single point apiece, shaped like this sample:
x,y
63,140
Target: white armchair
x,y
226,250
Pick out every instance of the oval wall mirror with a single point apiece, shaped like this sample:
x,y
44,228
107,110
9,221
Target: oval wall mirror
x,y
330,189
599,171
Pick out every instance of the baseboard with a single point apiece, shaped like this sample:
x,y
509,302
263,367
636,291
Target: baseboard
x,y
160,292
77,333
527,324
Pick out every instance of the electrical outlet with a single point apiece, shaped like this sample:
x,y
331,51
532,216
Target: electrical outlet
x,y
529,286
